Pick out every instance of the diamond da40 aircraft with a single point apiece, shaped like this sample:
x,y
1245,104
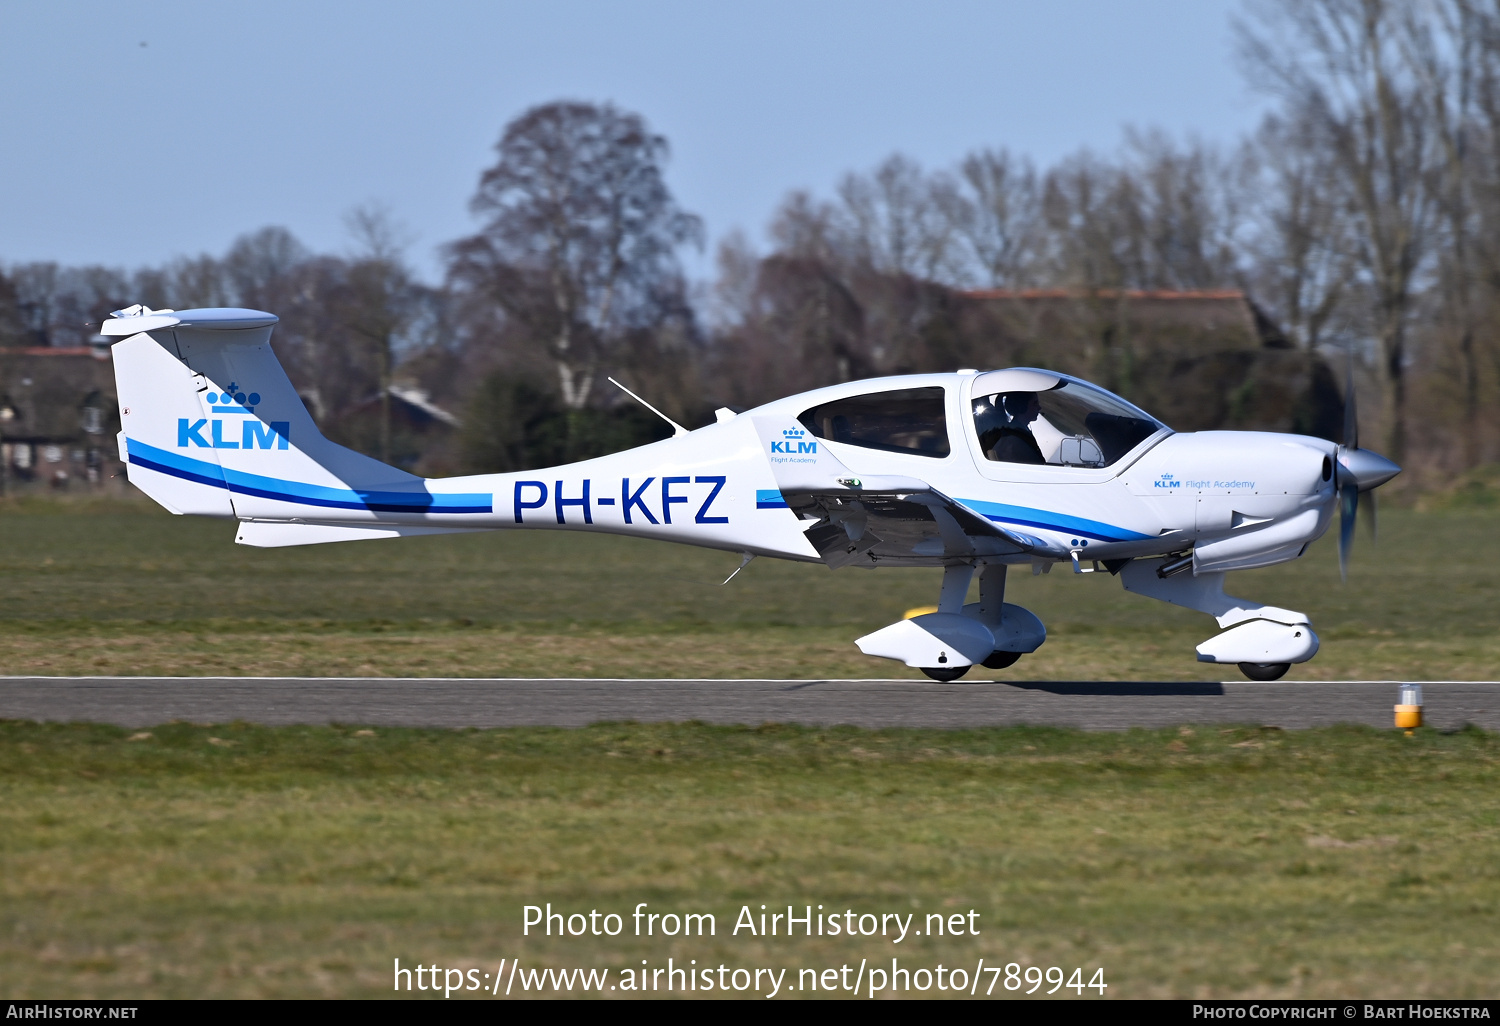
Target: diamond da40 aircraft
x,y
973,472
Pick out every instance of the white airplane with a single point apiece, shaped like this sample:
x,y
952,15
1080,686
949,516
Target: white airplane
x,y
970,471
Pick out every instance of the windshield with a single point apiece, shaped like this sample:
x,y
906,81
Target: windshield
x,y
1071,424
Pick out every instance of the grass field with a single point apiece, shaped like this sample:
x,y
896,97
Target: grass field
x,y
239,861
127,589
235,860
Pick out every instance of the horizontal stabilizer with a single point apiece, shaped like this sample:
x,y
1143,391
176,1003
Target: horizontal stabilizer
x,y
136,319
263,534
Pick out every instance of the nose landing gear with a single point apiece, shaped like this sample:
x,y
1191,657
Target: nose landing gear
x,y
1264,641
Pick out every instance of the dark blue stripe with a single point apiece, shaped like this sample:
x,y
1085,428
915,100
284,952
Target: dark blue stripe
x,y
201,472
186,475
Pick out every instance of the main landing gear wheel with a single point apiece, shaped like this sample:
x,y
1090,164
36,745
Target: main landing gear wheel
x,y
945,673
1000,660
1265,671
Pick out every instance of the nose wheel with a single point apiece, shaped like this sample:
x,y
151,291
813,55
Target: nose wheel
x,y
1265,671
945,673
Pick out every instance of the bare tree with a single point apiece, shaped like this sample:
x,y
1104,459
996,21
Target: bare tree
x,y
1339,64
994,207
1482,164
1084,202
11,331
380,299
1162,216
1185,208
803,227
580,234
731,299
261,265
891,221
62,306
1301,250
1453,50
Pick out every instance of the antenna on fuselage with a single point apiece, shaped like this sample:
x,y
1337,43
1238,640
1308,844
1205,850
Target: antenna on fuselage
x,y
677,429
743,563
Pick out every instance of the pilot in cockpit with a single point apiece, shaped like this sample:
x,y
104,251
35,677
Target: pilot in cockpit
x,y
1004,424
1069,425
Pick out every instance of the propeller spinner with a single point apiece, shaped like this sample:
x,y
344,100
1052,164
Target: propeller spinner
x,y
1359,472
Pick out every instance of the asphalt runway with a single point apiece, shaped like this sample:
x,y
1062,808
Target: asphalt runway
x,y
1092,705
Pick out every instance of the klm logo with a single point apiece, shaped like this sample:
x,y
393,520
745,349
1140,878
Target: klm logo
x,y
792,442
249,433
253,434
1167,481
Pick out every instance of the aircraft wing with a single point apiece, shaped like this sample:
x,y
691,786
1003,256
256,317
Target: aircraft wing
x,y
866,521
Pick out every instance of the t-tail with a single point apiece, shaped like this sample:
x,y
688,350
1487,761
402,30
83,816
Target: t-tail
x,y
212,426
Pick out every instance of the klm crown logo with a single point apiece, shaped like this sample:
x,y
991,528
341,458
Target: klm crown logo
x,y
792,442
233,400
252,432
1167,481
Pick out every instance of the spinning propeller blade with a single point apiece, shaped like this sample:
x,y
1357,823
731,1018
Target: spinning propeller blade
x,y
1359,472
1348,508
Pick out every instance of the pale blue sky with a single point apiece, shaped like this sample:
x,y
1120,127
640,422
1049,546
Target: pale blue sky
x,y
238,115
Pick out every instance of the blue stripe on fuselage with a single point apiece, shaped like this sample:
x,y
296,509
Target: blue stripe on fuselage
x,y
200,472
1050,521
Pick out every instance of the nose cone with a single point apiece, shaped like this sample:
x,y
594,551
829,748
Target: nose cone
x,y
1365,469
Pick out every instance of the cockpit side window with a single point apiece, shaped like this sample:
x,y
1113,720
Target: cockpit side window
x,y
1071,424
910,420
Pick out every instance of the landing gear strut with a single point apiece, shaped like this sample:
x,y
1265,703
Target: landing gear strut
x,y
944,644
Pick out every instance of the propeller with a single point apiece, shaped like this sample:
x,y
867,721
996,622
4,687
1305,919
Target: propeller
x,y
1359,472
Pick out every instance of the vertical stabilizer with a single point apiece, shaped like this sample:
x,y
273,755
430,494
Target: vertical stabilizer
x,y
213,426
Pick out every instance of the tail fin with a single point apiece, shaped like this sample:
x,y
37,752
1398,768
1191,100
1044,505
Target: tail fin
x,y
213,426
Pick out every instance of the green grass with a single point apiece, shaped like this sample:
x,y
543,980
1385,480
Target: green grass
x,y
238,860
123,588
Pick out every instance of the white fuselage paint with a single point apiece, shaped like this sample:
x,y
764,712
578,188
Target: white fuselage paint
x,y
1172,491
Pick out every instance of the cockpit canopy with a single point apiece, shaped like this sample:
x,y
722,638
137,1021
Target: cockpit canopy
x,y
1020,416
1027,416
